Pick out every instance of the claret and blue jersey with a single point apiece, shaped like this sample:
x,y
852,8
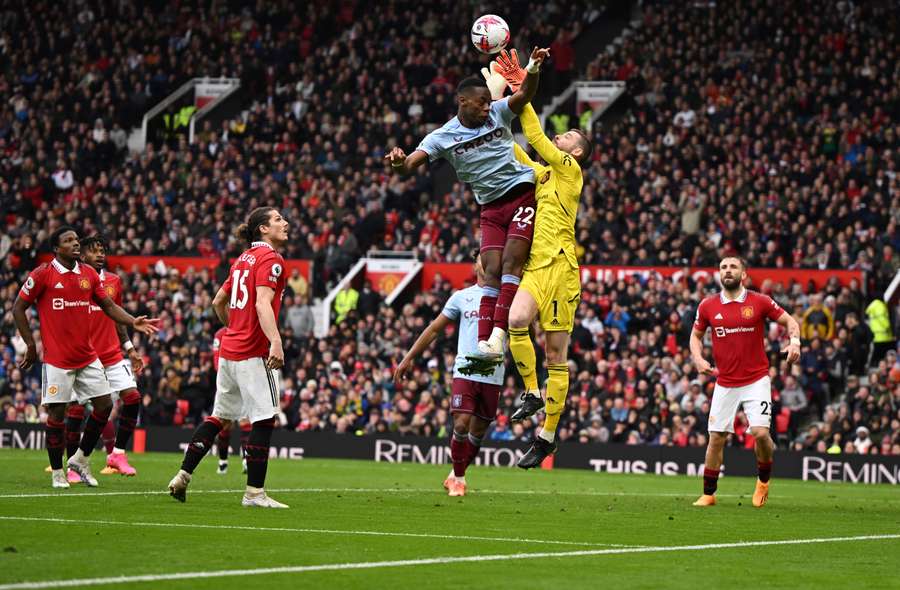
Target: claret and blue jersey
x,y
482,157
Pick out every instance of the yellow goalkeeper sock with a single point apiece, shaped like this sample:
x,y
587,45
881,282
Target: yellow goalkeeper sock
x,y
523,353
557,389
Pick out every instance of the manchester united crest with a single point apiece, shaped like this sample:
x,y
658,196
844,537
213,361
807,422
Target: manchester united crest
x,y
111,291
747,312
84,284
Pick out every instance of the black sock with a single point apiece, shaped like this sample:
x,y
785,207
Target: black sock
x,y
222,442
245,436
201,443
95,423
128,416
258,452
55,442
74,420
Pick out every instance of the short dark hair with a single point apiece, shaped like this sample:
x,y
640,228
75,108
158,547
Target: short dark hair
x,y
249,231
587,146
58,233
470,82
94,240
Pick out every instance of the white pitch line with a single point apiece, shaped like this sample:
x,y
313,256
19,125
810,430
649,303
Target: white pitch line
x,y
157,492
306,530
419,562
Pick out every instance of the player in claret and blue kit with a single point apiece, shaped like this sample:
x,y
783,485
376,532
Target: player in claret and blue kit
x,y
737,317
478,142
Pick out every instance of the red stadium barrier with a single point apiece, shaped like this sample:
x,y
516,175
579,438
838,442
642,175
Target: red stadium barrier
x,y
460,274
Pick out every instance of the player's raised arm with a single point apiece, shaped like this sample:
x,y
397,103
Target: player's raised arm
x,y
424,340
403,164
529,86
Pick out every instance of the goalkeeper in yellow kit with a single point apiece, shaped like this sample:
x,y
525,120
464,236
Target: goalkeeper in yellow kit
x,y
551,285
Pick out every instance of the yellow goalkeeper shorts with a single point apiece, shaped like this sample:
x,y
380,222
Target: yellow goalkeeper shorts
x,y
557,290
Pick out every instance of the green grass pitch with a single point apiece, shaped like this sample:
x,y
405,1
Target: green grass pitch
x,y
355,524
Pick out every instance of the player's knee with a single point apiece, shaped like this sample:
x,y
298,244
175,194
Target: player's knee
x,y
518,319
717,439
556,356
760,433
102,403
461,422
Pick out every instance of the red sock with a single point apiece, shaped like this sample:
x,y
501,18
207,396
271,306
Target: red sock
x,y
486,312
458,444
710,481
764,468
109,436
473,445
507,293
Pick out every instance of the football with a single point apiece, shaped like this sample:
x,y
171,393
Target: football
x,y
490,33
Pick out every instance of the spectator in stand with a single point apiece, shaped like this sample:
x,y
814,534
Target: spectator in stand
x,y
817,321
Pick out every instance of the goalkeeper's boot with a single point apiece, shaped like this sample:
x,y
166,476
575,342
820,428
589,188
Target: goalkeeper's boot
x,y
761,494
457,488
540,450
259,499
179,484
706,500
531,404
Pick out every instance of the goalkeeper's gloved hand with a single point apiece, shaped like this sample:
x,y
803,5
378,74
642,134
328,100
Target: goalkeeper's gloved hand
x,y
509,67
495,82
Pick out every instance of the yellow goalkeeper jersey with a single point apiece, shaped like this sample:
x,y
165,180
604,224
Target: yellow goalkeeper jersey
x,y
557,192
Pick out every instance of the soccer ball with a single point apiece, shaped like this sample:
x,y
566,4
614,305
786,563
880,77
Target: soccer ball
x,y
490,33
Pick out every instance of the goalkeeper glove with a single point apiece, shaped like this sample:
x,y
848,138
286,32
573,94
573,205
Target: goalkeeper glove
x,y
512,71
496,83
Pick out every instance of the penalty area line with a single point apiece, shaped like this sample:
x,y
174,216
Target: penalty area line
x,y
78,521
70,583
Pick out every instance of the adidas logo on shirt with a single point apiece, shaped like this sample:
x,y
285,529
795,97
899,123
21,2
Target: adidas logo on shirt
x,y
718,317
59,286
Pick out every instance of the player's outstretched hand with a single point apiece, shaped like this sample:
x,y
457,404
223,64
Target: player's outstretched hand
x,y
396,156
28,358
401,372
793,353
509,66
276,356
146,325
137,362
538,55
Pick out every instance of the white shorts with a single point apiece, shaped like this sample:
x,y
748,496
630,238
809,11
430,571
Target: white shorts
x,y
756,399
61,386
121,377
247,388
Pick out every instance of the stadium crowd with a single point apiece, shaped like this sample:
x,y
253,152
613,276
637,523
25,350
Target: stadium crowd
x,y
766,129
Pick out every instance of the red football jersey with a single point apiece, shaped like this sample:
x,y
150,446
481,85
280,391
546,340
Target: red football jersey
x,y
63,300
258,266
738,335
217,345
103,328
